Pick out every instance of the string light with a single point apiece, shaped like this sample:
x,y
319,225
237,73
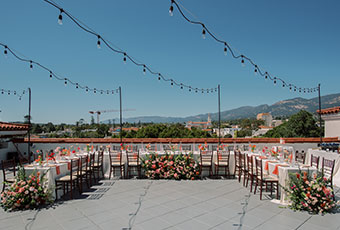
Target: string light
x,y
171,10
107,43
255,70
181,86
124,59
60,17
5,51
225,49
227,46
159,77
76,85
50,74
31,65
65,82
203,32
12,93
172,83
98,42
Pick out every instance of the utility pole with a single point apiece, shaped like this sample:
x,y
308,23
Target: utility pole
x,y
29,126
121,115
320,120
219,115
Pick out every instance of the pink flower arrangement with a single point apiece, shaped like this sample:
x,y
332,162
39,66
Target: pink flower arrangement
x,y
170,166
311,194
25,193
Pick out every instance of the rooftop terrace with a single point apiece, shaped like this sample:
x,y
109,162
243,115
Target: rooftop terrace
x,y
146,204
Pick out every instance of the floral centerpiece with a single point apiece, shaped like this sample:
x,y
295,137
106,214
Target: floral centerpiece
x,y
221,147
50,157
264,150
252,147
169,166
25,193
274,153
148,147
310,193
203,147
39,160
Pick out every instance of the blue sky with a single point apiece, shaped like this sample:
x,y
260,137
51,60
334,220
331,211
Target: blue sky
x,y
295,40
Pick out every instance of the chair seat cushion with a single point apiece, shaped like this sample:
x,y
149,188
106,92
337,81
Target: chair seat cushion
x,y
67,178
133,164
222,164
10,179
117,164
268,178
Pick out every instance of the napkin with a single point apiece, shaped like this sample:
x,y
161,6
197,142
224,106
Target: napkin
x,y
266,167
276,170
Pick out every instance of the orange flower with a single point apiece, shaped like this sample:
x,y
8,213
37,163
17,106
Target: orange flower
x,y
298,175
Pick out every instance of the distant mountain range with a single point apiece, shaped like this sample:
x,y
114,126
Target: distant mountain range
x,y
281,108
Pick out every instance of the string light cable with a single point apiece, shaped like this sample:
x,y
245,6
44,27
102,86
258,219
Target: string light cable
x,y
17,93
54,75
227,48
102,41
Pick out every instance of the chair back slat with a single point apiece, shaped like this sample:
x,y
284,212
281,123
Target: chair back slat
x,y
8,167
75,168
115,157
84,163
132,157
223,157
250,164
206,157
259,169
314,162
100,158
328,168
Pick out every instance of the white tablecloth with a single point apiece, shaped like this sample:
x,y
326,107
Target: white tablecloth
x,y
329,156
51,174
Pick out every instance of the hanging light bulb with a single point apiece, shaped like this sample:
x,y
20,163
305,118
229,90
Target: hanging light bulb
x,y
203,32
202,91
290,87
196,90
225,48
304,90
98,42
9,92
2,91
31,65
266,75
87,89
283,85
255,70
15,92
159,77
181,86
65,81
124,59
144,70
274,80
207,90
242,61
295,89
190,89
101,91
172,83
77,86
60,18
94,90
50,74
19,98
215,90
107,92
23,92
299,90
5,51
171,10
112,92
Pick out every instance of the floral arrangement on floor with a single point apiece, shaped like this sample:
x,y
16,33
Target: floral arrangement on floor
x,y
170,166
25,193
310,193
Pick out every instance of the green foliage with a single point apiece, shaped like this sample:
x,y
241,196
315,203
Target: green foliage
x,y
302,124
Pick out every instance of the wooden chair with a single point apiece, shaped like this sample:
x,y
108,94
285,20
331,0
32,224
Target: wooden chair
x,y
314,161
243,163
98,165
206,158
116,162
251,171
8,172
72,179
83,172
222,162
300,157
238,165
133,162
89,170
265,180
328,170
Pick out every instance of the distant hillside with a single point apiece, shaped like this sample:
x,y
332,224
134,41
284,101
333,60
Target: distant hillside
x,y
281,108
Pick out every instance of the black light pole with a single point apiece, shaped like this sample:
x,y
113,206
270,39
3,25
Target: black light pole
x,y
121,115
319,87
29,126
219,115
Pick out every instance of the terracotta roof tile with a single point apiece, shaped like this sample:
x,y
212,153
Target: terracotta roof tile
x,y
4,126
329,110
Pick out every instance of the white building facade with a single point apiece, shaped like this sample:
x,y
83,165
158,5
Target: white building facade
x,y
331,117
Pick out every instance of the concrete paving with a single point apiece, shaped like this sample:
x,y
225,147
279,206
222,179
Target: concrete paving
x,y
146,204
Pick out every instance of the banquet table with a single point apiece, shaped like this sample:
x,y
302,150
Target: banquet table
x,y
281,170
52,172
327,155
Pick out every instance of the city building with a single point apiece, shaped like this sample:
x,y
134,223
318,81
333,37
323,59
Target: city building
x,y
227,131
261,131
331,116
199,124
266,117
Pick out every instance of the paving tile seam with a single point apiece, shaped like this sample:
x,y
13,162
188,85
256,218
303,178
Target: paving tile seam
x,y
86,217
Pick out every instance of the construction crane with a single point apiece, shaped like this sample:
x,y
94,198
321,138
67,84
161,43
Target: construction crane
x,y
107,111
